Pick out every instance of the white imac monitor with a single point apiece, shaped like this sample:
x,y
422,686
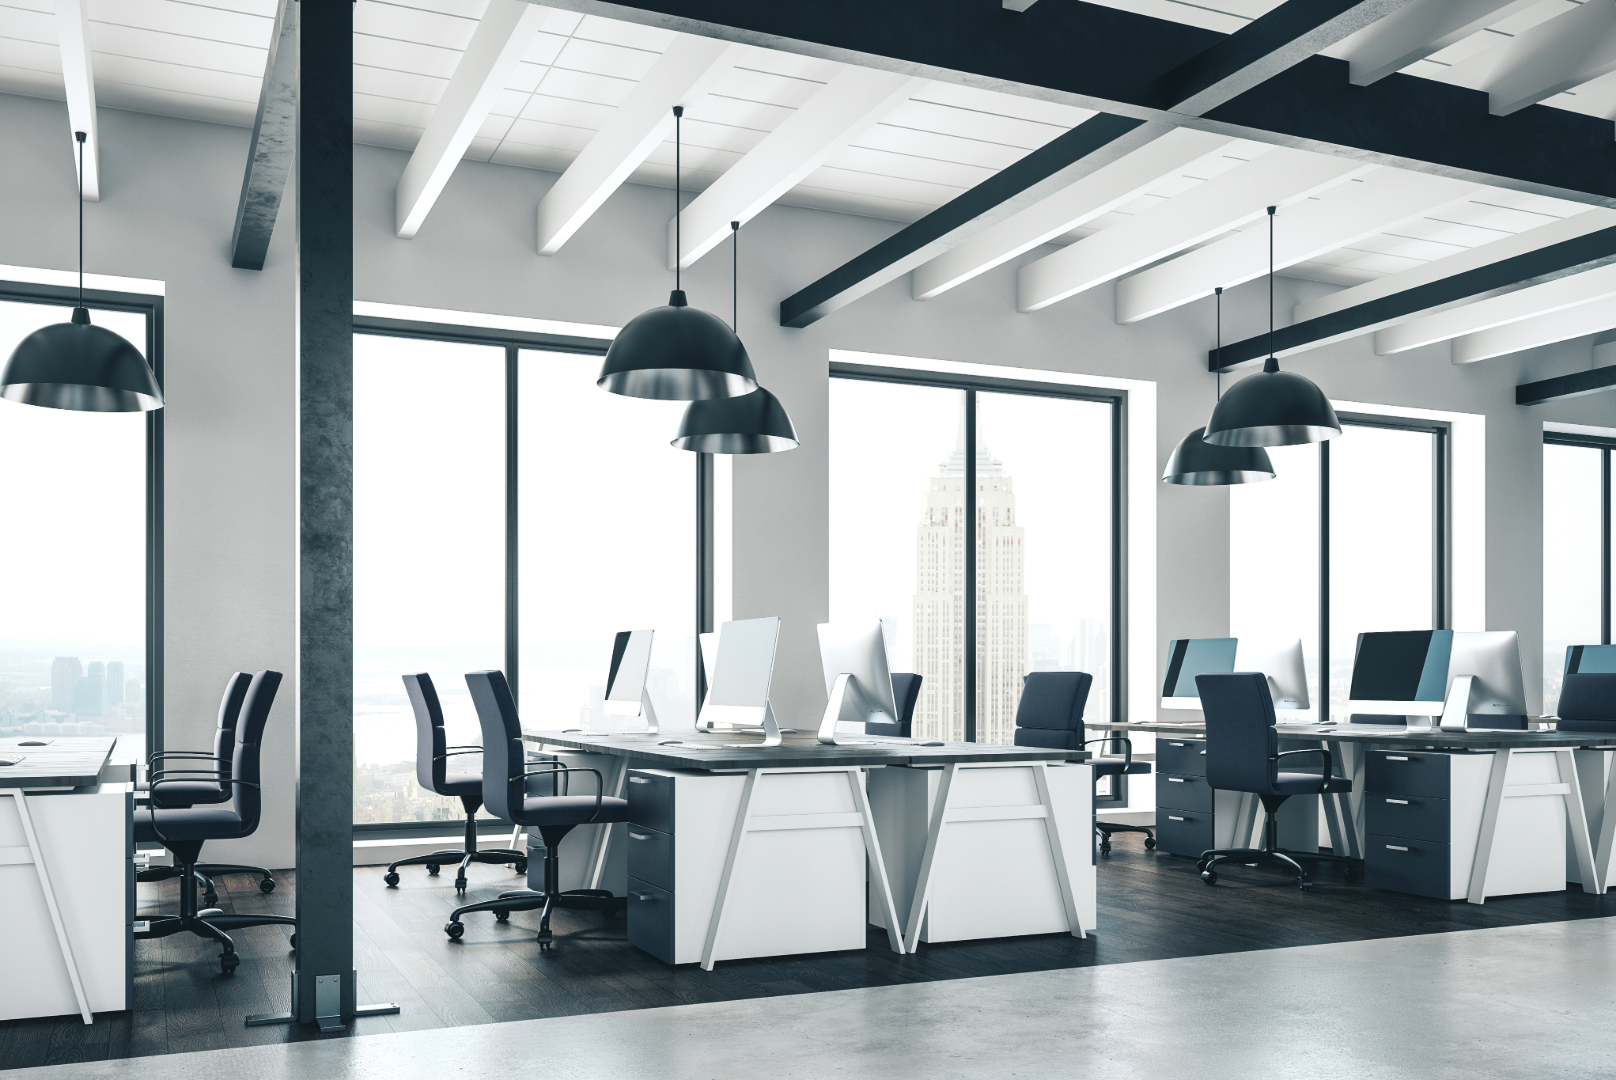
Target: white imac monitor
x,y
1189,657
742,671
1281,660
1485,687
1400,673
626,692
708,643
857,681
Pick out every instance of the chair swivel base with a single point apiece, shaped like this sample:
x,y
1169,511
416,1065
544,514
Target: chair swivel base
x,y
1291,860
205,873
528,900
1104,829
438,859
213,924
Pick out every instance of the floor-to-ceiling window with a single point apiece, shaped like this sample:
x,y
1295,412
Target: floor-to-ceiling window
x,y
1349,537
508,514
1576,551
972,609
78,612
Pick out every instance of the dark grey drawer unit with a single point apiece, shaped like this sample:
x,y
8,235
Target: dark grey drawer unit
x,y
650,856
650,800
1405,865
1407,822
1183,832
650,918
1184,793
1412,816
1181,757
1184,800
650,841
1400,773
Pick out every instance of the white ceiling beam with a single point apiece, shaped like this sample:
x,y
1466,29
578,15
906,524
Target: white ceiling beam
x,y
1522,305
1309,229
1546,329
498,44
1553,56
685,72
848,106
1098,193
1418,30
1018,5
78,78
1216,206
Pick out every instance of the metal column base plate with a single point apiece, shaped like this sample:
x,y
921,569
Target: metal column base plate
x,y
327,1006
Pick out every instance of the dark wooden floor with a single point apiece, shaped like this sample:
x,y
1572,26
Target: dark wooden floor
x,y
1152,907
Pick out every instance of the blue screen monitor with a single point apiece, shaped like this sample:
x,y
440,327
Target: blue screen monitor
x,y
1590,660
1189,657
1400,673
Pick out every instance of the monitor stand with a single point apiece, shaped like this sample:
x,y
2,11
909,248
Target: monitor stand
x,y
770,731
830,736
647,711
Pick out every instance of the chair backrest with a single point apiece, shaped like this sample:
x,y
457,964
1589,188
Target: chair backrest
x,y
255,708
905,693
504,759
224,736
1588,696
430,742
1051,711
1241,742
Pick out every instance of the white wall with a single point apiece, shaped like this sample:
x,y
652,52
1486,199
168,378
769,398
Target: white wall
x,y
168,204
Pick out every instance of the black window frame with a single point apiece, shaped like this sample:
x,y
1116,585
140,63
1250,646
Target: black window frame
x,y
151,306
971,385
1605,445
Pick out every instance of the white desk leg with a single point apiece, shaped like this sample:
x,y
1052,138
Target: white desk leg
x,y
1607,831
922,896
516,838
872,849
1489,825
743,819
597,866
1040,775
1577,818
38,856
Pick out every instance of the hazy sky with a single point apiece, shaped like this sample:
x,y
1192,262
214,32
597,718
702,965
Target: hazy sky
x,y
1572,501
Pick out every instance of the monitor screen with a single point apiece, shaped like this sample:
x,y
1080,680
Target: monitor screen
x,y
1590,660
1401,665
1189,657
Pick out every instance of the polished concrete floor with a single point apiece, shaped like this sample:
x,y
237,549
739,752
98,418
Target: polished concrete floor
x,y
1520,1001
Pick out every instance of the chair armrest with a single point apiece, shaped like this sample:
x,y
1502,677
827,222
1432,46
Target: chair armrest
x,y
152,807
1329,763
156,777
157,755
458,753
466,746
1127,750
600,782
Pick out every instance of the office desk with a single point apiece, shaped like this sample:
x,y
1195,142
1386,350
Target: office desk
x,y
761,804
66,879
1349,743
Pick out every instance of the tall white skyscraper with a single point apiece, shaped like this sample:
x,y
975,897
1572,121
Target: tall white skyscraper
x,y
939,601
65,674
114,683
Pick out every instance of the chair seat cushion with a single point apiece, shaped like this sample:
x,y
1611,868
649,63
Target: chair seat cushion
x,y
1301,783
1113,766
571,810
177,793
458,785
189,823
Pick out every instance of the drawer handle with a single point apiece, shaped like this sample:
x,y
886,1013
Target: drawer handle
x,y
1178,744
638,780
1175,780
1394,757
645,896
1171,817
1395,847
638,836
1394,802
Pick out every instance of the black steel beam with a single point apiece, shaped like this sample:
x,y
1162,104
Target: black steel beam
x,y
1097,141
1560,260
1577,384
269,158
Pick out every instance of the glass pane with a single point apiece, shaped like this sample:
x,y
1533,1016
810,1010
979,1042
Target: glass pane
x,y
897,505
429,555
1382,512
1573,482
73,640
1274,559
607,541
1043,507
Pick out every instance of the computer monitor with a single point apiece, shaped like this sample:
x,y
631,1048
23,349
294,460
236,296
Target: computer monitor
x,y
1281,660
1485,687
1189,657
1590,660
1401,673
858,681
742,672
626,691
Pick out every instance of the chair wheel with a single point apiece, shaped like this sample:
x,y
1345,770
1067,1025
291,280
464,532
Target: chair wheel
x,y
294,939
210,899
1305,886
521,866
391,878
267,885
1105,849
1150,843
1209,876
454,930
432,868
460,884
544,946
229,962
502,916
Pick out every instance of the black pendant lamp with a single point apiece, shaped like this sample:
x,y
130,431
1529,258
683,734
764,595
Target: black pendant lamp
x,y
677,352
77,366
1197,463
754,423
1272,407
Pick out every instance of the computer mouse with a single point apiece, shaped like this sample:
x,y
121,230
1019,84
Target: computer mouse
x,y
33,742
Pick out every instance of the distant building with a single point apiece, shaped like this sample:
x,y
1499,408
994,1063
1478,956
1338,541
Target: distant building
x,y
115,695
65,675
90,699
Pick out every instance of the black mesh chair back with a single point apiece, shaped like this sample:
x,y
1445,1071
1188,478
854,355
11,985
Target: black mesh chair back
x,y
430,742
1050,715
255,708
1588,702
224,736
1241,743
504,760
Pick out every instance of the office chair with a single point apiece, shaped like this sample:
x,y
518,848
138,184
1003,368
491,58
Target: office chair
x,y
205,792
1051,716
1588,702
431,772
184,829
505,778
1242,754
905,693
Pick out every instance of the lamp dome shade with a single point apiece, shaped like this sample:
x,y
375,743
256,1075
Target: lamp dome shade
x,y
754,423
677,353
78,366
1272,408
1197,463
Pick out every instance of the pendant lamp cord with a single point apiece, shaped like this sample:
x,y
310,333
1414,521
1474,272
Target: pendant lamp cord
x,y
678,196
1271,210
79,135
735,276
1219,292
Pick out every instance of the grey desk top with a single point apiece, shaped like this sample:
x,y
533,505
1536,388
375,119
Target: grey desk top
x,y
708,750
63,762
1390,735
